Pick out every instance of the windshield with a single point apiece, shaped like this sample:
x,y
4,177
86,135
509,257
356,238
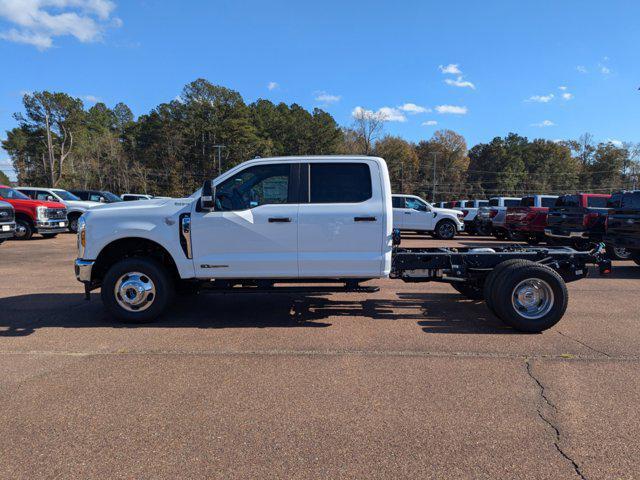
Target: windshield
x,y
111,197
11,194
64,195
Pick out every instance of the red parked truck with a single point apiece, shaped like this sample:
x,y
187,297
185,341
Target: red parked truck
x,y
35,216
528,221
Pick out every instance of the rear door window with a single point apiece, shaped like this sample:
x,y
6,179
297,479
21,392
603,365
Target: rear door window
x,y
548,201
339,182
512,203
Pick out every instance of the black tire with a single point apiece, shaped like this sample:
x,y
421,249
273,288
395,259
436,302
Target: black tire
x,y
619,253
635,256
445,230
24,229
491,282
551,305
472,292
73,223
49,235
483,230
153,272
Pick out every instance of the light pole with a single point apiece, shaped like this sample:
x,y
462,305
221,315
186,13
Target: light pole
x,y
433,190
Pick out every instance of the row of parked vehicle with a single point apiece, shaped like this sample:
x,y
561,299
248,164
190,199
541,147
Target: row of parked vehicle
x,y
25,211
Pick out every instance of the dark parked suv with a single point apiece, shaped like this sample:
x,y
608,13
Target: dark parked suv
x,y
623,223
7,221
577,220
101,196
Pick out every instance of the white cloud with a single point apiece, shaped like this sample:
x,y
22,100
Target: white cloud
x,y
581,69
562,87
387,114
452,109
429,123
413,109
567,96
604,69
325,97
452,68
390,114
459,82
272,85
540,98
544,123
38,22
90,98
617,143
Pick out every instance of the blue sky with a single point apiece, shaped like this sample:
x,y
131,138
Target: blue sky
x,y
539,68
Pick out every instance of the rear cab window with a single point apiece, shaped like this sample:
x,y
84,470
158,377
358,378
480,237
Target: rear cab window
x,y
597,202
512,203
397,202
548,202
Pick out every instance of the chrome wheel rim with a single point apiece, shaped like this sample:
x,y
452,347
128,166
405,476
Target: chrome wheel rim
x,y
622,253
21,230
446,230
532,298
135,291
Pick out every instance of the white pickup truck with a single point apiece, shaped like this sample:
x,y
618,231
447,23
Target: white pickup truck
x,y
413,213
271,223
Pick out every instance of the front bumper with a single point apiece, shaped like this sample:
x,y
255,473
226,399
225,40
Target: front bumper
x,y
83,270
52,226
549,232
7,230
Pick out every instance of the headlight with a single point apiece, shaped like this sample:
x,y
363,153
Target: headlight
x,y
82,236
41,213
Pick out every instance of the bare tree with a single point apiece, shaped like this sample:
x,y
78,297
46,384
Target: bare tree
x,y
368,126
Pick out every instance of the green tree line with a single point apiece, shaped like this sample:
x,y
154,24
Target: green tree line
x,y
208,129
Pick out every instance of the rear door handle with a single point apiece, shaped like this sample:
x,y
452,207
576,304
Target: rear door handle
x,y
279,220
364,219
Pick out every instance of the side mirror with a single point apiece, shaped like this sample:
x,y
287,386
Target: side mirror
x,y
50,198
207,198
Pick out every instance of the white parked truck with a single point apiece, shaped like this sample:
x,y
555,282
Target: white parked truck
x,y
413,213
268,224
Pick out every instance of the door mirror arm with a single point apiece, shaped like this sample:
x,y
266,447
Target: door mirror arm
x,y
208,196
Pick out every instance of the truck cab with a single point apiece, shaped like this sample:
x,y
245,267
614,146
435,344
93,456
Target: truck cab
x,y
414,213
35,216
289,218
100,196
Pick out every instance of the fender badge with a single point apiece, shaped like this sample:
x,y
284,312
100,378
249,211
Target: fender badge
x,y
204,265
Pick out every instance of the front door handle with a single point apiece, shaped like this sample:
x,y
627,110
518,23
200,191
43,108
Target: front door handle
x,y
279,220
364,219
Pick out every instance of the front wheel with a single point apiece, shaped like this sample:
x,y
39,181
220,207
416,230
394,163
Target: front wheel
x,y
445,230
530,297
24,229
137,290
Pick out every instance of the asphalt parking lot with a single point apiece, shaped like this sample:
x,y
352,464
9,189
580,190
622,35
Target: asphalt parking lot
x,y
413,381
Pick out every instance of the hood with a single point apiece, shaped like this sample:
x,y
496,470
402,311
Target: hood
x,y
17,202
141,205
450,211
85,204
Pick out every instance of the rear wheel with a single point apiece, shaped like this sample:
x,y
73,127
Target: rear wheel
x,y
530,298
619,253
472,292
483,229
137,290
445,230
24,229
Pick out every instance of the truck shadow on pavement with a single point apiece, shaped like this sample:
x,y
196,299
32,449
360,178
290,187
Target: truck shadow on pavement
x,y
434,312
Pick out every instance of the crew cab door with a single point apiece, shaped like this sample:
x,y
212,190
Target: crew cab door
x,y
418,216
253,231
399,212
341,224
